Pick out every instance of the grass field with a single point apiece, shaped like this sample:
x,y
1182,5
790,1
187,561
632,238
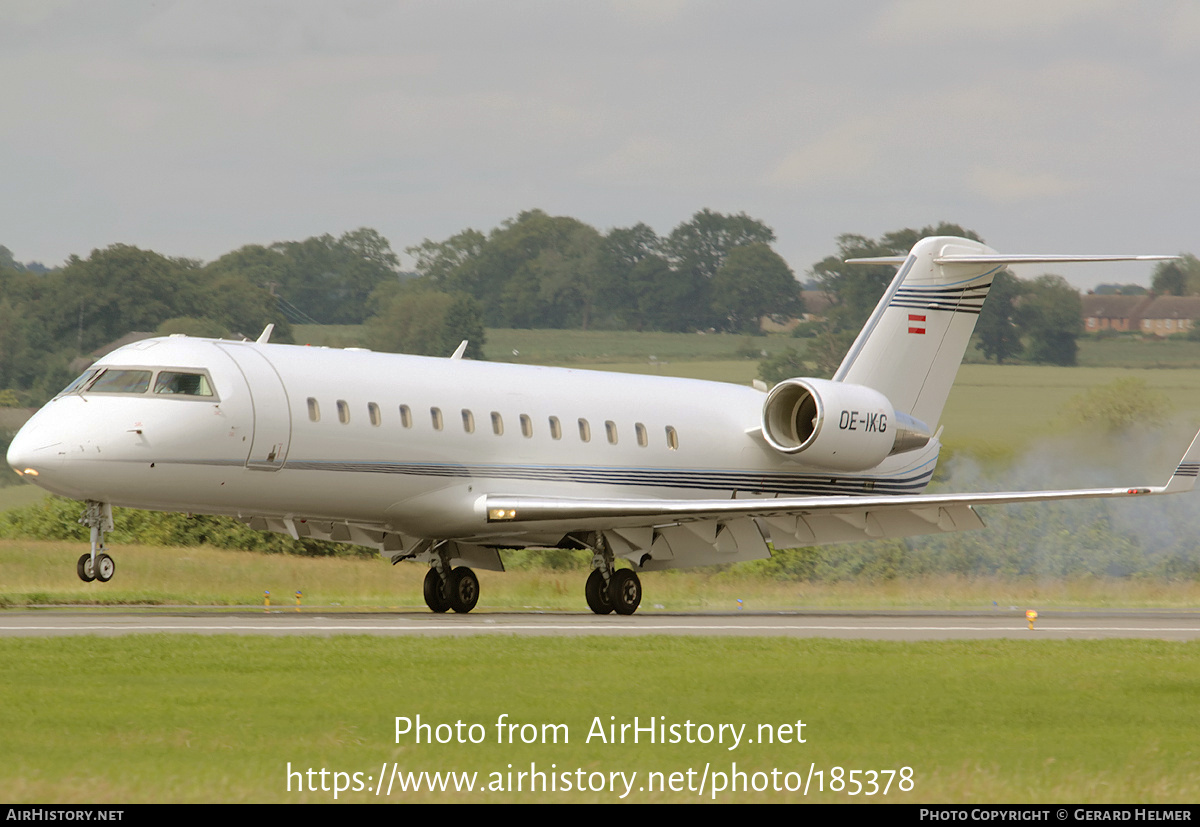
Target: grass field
x,y
195,719
43,573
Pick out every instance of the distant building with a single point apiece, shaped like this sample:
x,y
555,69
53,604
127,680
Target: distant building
x,y
1149,315
1170,314
1111,311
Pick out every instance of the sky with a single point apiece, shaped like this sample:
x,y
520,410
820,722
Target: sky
x,y
194,127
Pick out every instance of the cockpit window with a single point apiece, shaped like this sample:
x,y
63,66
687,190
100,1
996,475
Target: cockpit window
x,y
121,381
187,384
78,384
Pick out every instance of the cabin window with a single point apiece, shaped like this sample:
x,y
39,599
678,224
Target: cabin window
x,y
314,410
526,426
640,431
468,421
343,409
672,439
585,431
555,428
374,415
121,381
497,424
185,384
435,414
610,431
406,416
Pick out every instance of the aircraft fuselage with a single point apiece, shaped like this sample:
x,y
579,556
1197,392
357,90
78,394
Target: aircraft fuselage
x,y
407,442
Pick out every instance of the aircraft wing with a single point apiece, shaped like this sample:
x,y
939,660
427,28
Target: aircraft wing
x,y
797,521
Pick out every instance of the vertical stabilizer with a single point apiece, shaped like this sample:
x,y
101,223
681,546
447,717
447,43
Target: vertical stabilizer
x,y
912,345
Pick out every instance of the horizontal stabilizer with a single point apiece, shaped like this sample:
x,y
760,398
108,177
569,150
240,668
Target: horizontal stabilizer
x,y
1007,259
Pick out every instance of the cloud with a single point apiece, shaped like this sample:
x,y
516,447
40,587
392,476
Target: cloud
x,y
847,153
1008,186
1027,19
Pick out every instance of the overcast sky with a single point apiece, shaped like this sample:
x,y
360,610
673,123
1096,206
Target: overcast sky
x,y
195,127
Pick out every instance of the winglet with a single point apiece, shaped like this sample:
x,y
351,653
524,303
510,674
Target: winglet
x,y
460,350
1184,478
265,336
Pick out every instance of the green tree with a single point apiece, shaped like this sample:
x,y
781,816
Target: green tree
x,y
425,322
1170,279
697,249
786,364
1050,316
754,281
331,280
451,264
999,336
118,290
621,299
1180,277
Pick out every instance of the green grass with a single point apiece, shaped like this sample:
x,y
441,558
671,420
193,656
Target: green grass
x,y
19,495
1001,409
1135,352
152,718
43,573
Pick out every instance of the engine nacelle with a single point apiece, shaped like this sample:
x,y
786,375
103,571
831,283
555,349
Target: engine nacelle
x,y
837,426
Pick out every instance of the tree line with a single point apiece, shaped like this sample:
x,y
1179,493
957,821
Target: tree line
x,y
712,272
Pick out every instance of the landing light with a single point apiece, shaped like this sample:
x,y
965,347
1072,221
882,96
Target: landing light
x,y
502,513
29,472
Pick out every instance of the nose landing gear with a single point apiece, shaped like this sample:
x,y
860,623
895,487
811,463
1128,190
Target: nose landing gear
x,y
96,565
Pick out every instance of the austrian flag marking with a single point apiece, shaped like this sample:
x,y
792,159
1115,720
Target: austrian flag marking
x,y
918,319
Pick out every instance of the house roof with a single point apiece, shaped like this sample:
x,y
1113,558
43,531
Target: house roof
x,y
1113,306
1173,307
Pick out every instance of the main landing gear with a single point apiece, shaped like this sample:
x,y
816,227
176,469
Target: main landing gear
x,y
450,588
96,565
608,589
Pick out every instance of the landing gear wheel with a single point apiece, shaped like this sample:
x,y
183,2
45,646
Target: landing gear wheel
x,y
105,568
435,595
462,589
596,592
625,591
84,569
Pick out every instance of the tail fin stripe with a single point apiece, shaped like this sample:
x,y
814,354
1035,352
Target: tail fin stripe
x,y
952,291
953,308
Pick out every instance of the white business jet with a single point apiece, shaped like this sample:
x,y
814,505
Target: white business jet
x,y
446,461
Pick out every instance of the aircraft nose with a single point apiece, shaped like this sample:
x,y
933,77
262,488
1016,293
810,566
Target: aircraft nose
x,y
31,451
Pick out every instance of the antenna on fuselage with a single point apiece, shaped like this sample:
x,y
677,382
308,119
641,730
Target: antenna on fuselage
x,y
265,336
460,350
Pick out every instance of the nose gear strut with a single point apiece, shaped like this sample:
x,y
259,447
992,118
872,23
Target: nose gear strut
x,y
97,565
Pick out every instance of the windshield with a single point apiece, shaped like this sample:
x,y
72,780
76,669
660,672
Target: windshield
x,y
82,380
121,381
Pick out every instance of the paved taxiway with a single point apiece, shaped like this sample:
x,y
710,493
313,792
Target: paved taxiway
x,y
879,625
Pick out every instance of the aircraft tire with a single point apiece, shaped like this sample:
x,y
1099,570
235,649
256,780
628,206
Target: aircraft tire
x,y
84,569
105,568
462,589
596,593
625,591
435,595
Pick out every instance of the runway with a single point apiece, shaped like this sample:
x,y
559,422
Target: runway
x,y
866,625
